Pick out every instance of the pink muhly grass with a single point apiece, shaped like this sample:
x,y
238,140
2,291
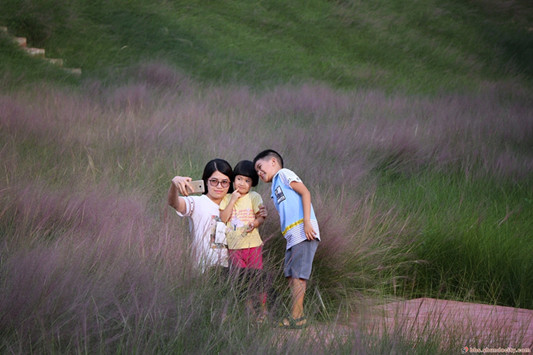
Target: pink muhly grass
x,y
162,76
17,117
364,247
307,100
447,132
84,237
131,97
87,265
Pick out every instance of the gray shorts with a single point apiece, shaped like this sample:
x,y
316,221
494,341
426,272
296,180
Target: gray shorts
x,y
299,259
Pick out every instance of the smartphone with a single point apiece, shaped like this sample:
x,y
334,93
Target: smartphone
x,y
197,186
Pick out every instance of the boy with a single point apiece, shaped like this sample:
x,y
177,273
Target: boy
x,y
298,225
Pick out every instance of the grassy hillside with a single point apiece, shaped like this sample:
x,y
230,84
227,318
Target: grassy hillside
x,y
418,46
411,124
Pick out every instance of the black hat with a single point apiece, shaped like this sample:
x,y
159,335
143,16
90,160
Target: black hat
x,y
246,168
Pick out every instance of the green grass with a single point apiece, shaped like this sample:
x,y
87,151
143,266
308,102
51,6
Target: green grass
x,y
475,236
411,46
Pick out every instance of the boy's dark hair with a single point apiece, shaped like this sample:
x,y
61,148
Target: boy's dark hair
x,y
246,168
267,154
217,165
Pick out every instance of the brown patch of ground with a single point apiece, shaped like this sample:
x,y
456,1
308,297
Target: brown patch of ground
x,y
450,323
470,324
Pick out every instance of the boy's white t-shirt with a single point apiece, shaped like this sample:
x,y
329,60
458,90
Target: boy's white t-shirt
x,y
209,245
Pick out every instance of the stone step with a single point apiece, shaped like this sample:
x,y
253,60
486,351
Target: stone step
x,y
21,41
35,52
55,61
40,53
75,71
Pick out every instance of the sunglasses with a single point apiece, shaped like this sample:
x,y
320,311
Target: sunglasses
x,y
215,182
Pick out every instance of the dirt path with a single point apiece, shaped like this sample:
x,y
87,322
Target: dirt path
x,y
474,325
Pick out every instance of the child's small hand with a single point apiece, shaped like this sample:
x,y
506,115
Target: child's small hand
x,y
250,227
235,195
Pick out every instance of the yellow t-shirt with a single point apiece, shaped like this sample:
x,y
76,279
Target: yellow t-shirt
x,y
243,213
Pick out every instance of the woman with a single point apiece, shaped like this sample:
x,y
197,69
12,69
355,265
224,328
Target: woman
x,y
207,229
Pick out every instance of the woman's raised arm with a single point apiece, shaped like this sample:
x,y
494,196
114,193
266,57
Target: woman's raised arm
x,y
179,186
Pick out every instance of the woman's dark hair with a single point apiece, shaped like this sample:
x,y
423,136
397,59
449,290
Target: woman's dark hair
x,y
221,166
246,168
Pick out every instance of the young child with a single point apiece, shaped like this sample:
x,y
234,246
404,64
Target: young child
x,y
240,210
298,225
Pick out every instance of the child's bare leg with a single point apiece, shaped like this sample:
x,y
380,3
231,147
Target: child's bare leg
x,y
297,287
263,312
249,306
263,302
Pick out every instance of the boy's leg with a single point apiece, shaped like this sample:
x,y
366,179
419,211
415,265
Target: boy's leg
x,y
297,287
298,265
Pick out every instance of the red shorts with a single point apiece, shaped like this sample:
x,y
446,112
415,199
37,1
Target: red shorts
x,y
251,258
